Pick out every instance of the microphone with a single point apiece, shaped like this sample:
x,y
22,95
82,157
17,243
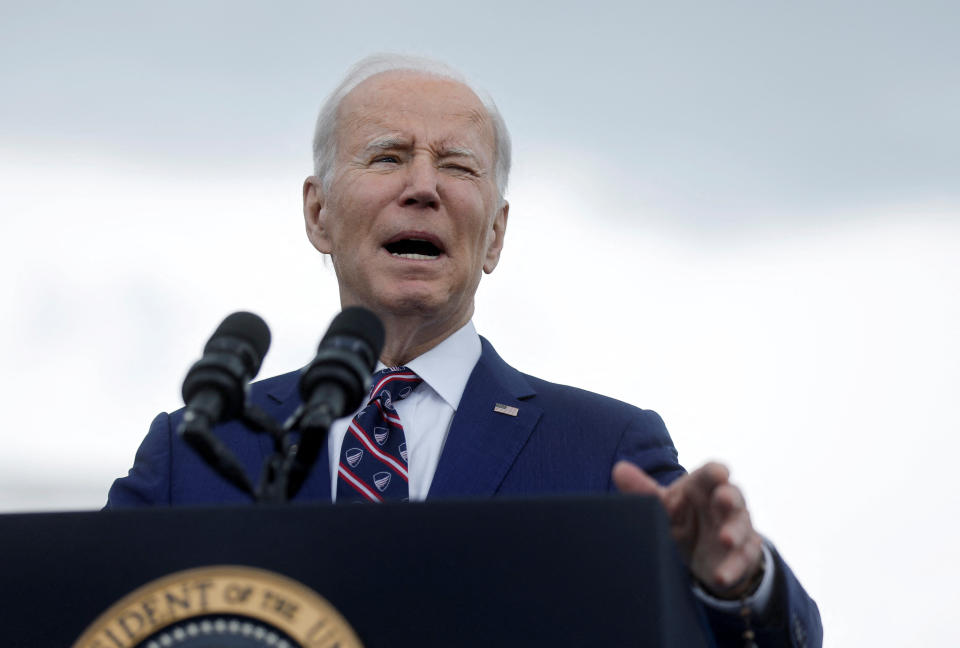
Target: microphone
x,y
335,382
215,390
216,385
331,386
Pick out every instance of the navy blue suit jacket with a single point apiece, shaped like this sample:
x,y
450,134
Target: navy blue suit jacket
x,y
563,440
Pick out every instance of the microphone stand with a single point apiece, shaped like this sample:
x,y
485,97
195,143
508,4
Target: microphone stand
x,y
332,385
196,431
297,444
313,422
288,456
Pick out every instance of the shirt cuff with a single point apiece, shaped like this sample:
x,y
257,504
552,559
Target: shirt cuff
x,y
758,601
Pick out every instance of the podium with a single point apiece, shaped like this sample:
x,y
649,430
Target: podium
x,y
584,571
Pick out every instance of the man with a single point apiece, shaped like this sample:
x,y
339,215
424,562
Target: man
x,y
407,199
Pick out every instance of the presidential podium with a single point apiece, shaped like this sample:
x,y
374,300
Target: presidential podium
x,y
585,571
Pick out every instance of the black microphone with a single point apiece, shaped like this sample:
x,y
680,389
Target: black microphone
x,y
215,390
216,385
331,386
335,382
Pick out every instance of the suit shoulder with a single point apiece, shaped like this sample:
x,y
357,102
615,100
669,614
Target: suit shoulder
x,y
610,428
277,388
565,405
592,403
267,391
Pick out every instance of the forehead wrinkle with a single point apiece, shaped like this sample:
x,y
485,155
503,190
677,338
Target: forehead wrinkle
x,y
478,117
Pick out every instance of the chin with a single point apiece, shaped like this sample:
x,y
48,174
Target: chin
x,y
414,305
419,303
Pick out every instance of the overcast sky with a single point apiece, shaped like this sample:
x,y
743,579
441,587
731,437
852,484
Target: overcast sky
x,y
745,216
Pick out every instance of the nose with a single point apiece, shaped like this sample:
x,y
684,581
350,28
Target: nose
x,y
421,188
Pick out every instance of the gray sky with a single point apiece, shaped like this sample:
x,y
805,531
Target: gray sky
x,y
743,215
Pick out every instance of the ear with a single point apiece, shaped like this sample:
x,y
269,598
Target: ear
x,y
314,214
495,245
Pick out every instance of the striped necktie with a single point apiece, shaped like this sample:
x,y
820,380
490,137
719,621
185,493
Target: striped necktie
x,y
373,456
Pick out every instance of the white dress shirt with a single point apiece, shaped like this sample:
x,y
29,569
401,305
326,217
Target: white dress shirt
x,y
427,412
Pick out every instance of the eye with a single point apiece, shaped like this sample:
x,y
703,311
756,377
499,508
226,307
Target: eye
x,y
385,159
458,168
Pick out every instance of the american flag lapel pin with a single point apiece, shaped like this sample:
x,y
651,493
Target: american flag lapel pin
x,y
509,410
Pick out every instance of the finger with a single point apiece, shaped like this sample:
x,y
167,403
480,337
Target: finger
x,y
740,566
629,478
708,476
695,489
725,501
735,531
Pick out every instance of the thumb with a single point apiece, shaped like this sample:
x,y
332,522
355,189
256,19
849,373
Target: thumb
x,y
630,479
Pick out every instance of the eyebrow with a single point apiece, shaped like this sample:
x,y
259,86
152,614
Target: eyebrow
x,y
458,151
391,142
386,143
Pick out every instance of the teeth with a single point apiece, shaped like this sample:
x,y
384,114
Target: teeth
x,y
418,257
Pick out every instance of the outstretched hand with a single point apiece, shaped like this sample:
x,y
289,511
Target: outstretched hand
x,y
710,523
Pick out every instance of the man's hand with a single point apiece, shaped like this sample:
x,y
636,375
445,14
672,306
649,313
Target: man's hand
x,y
710,523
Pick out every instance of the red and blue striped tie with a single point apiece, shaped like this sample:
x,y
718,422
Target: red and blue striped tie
x,y
373,457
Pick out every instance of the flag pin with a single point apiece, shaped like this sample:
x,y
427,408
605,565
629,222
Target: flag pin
x,y
509,410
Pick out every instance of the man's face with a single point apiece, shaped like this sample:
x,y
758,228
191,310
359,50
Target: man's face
x,y
412,214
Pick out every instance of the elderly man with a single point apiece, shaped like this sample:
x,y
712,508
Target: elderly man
x,y
407,199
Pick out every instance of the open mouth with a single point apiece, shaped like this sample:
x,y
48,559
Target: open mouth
x,y
414,248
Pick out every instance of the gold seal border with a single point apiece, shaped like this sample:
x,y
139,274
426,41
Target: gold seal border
x,y
272,598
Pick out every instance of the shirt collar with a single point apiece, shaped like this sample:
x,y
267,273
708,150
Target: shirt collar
x,y
446,368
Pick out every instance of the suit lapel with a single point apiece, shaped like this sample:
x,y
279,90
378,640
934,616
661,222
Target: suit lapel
x,y
483,443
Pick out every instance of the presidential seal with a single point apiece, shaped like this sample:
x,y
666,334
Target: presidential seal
x,y
224,607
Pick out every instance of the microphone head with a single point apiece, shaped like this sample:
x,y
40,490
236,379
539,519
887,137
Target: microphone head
x,y
231,358
245,326
339,374
358,322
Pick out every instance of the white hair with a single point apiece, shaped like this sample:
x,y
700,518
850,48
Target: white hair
x,y
324,137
